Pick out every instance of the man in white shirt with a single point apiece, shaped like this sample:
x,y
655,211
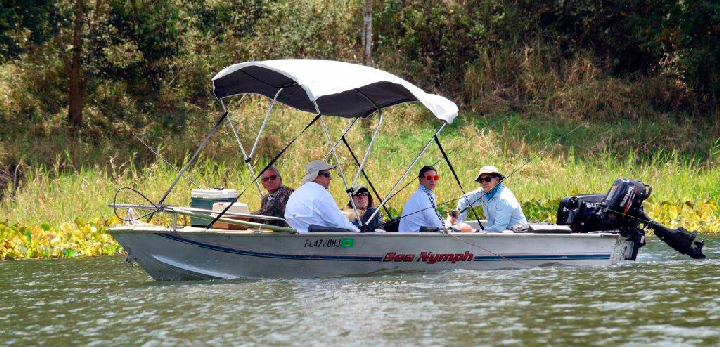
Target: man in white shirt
x,y
421,209
312,204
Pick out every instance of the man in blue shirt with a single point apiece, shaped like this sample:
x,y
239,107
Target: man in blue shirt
x,y
421,209
501,208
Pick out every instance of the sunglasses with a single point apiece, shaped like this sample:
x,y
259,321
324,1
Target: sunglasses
x,y
432,177
486,179
326,174
269,178
362,194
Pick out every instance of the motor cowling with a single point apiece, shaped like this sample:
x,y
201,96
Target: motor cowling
x,y
622,209
623,203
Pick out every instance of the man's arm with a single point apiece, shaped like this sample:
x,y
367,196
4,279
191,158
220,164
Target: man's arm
x,y
466,202
331,214
502,217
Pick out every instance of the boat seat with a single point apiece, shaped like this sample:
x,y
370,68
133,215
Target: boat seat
x,y
322,229
550,229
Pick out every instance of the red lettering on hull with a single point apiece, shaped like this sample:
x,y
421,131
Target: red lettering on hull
x,y
429,257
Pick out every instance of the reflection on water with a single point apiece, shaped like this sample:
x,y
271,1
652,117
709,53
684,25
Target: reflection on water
x,y
664,299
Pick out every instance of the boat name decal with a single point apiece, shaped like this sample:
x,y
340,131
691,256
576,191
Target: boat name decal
x,y
428,257
329,243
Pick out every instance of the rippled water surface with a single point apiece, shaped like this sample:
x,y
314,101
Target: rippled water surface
x,y
664,299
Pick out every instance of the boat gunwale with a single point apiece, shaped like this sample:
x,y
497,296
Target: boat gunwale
x,y
265,233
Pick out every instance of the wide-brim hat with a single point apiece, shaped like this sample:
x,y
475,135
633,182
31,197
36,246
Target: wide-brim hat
x,y
488,169
313,168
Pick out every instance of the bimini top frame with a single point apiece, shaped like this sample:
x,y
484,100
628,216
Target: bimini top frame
x,y
327,87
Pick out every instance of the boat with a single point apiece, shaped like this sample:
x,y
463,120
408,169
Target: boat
x,y
600,233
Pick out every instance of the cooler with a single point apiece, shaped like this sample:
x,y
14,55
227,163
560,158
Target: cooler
x,y
206,198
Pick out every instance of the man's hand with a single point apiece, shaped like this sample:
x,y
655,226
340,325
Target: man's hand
x,y
452,217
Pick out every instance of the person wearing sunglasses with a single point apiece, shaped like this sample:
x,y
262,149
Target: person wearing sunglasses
x,y
273,203
501,208
421,209
364,205
312,205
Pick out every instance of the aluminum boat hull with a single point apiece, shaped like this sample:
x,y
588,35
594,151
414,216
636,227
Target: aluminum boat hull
x,y
196,253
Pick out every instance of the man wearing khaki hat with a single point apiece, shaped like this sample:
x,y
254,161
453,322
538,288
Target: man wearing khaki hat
x,y
312,204
500,206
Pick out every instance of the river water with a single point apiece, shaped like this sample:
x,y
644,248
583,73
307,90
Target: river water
x,y
663,299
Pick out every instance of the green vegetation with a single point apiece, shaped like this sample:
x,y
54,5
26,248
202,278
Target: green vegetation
x,y
635,87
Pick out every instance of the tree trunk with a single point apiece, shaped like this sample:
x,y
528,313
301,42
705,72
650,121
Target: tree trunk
x,y
75,108
367,33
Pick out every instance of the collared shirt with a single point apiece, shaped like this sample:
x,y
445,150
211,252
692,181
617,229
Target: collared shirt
x,y
502,211
273,204
312,204
419,211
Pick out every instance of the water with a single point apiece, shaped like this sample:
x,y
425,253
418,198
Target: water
x,y
663,299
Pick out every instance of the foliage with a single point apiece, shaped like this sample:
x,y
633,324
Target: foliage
x,y
27,22
635,83
67,240
546,168
443,41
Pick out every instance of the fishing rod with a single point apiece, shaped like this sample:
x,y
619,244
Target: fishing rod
x,y
527,161
165,160
452,150
476,200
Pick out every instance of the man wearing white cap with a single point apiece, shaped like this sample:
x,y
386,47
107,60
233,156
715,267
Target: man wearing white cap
x,y
312,204
501,208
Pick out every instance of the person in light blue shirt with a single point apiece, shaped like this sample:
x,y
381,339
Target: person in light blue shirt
x,y
501,208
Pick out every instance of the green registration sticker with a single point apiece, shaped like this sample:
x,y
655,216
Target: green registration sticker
x,y
347,243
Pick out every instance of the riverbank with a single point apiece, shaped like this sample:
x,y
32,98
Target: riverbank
x,y
545,161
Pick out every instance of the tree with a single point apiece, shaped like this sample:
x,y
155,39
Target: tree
x,y
367,33
77,82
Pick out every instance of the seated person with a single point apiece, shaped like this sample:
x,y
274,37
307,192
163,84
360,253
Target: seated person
x,y
312,204
364,205
273,203
421,210
501,208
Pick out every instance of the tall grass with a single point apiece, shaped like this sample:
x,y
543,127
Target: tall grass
x,y
544,162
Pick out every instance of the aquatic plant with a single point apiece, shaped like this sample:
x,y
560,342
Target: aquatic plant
x,y
66,240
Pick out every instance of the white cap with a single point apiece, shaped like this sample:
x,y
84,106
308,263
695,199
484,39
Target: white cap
x,y
488,169
313,168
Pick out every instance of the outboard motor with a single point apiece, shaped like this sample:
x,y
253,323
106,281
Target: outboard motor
x,y
621,209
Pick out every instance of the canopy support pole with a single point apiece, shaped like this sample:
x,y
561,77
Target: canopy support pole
x,y
192,159
332,148
242,148
264,123
339,166
169,164
369,149
347,145
277,156
407,171
447,159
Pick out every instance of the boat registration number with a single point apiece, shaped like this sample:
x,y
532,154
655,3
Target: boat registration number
x,y
329,243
